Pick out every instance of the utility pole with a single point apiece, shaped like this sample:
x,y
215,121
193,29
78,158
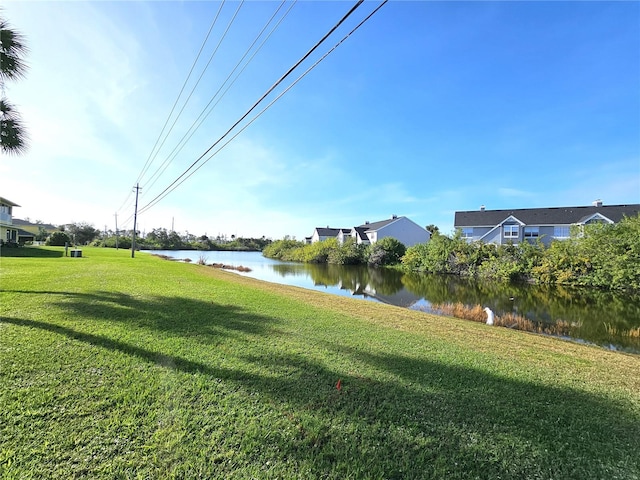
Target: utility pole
x,y
135,222
116,215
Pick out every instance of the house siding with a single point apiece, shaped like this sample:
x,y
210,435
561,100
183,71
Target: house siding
x,y
491,222
8,233
405,231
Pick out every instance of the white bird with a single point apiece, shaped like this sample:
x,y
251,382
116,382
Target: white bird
x,y
489,313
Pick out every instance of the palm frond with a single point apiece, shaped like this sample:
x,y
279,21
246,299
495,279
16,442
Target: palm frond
x,y
13,135
12,51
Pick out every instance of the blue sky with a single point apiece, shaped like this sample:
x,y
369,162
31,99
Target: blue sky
x,y
427,109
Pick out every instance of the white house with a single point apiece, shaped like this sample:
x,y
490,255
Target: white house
x,y
8,233
322,233
402,229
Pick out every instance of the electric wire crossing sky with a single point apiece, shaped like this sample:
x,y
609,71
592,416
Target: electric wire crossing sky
x,y
229,135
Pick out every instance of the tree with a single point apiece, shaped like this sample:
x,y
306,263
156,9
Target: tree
x,y
58,239
82,233
13,138
432,229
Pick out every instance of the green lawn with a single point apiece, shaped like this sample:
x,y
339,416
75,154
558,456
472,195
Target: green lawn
x,y
112,367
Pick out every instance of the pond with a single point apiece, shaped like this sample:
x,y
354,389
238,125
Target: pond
x,y
608,319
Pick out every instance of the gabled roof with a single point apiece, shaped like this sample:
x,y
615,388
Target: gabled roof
x,y
327,232
24,223
361,232
25,233
544,216
4,201
378,225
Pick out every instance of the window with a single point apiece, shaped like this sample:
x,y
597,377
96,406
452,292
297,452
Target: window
x,y
467,232
511,231
561,232
531,232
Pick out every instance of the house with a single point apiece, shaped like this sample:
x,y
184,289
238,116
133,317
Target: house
x,y
532,224
24,236
401,228
34,228
320,234
8,233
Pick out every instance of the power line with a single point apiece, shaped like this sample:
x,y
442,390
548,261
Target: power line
x,y
156,200
209,108
255,105
151,154
200,77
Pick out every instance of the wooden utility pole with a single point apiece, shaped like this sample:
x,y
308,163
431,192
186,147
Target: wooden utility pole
x,y
135,223
116,215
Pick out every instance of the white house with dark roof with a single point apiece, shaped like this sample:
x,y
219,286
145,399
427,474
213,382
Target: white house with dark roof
x,y
532,224
8,233
402,229
323,233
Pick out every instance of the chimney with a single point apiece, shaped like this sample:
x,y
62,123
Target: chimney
x,y
482,208
597,203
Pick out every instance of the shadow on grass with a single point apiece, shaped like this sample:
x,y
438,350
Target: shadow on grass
x,y
30,252
427,420
175,315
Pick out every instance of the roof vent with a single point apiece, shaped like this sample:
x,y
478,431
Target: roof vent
x,y
597,203
482,208
393,217
366,222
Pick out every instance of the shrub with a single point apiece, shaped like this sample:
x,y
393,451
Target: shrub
x,y
58,239
349,253
387,251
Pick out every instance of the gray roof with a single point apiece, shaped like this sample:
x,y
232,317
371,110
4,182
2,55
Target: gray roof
x,y
327,232
544,216
361,232
24,233
24,223
377,225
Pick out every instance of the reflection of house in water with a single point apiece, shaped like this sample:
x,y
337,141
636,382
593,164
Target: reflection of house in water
x,y
401,298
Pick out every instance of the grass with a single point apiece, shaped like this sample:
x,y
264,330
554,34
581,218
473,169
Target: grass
x,y
112,367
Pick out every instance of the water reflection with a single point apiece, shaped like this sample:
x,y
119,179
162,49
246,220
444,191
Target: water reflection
x,y
599,317
604,318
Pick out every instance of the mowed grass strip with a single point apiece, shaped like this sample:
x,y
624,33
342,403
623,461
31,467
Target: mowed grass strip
x,y
112,367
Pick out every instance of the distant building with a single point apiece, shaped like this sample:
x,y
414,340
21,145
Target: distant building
x,y
532,224
402,229
8,233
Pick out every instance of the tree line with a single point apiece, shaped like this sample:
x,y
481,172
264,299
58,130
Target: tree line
x,y
600,255
157,239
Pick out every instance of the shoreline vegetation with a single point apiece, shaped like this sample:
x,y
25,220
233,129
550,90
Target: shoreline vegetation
x,y
202,261
476,313
113,367
604,256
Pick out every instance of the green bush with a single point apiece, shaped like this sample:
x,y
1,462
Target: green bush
x,y
58,239
387,251
281,249
442,254
349,253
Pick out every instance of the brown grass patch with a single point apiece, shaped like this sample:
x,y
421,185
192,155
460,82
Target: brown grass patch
x,y
509,320
230,267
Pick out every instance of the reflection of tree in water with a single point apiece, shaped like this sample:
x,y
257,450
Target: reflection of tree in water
x,y
290,269
595,314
